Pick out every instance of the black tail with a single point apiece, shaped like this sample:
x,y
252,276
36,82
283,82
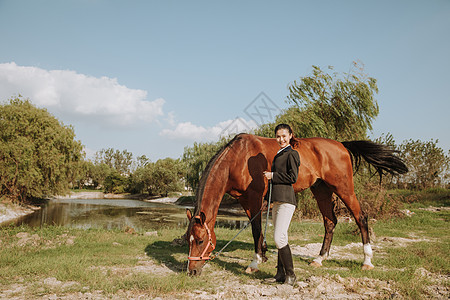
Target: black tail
x,y
380,156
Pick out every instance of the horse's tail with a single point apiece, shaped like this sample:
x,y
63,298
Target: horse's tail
x,y
381,157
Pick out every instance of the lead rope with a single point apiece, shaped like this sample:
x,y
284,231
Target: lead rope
x,y
268,210
220,251
265,229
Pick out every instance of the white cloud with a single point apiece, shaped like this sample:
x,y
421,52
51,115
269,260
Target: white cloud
x,y
171,118
189,131
77,95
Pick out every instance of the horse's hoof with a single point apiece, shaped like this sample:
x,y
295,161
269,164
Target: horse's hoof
x,y
367,267
315,264
251,270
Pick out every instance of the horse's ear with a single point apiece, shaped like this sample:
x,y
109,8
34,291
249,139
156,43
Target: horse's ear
x,y
202,217
189,214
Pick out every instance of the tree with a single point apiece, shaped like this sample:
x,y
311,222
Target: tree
x,y
141,179
428,165
38,154
197,157
329,105
121,161
332,106
116,183
167,176
141,161
97,173
159,178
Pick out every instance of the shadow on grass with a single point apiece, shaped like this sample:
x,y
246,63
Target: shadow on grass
x,y
237,268
350,265
165,253
302,258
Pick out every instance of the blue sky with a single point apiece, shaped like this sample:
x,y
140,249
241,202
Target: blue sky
x,y
152,77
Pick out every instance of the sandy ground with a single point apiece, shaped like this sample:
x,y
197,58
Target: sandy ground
x,y
90,195
163,200
9,211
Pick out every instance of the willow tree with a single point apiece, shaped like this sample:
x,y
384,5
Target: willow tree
x,y
39,155
332,105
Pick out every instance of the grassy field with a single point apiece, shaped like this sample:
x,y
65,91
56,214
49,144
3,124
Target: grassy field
x,y
411,258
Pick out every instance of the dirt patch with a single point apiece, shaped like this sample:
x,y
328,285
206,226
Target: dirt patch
x,y
440,284
83,195
315,287
49,288
435,209
144,265
310,251
353,251
25,239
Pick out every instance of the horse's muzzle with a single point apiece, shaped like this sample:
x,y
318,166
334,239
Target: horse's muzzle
x,y
195,272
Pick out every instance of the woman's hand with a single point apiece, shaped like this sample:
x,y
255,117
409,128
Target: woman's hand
x,y
268,175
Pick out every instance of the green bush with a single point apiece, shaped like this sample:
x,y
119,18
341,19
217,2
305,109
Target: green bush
x,y
116,183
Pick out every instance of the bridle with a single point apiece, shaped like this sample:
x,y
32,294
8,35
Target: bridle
x,y
202,256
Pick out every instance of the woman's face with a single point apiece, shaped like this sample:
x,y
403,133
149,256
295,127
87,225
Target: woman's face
x,y
283,137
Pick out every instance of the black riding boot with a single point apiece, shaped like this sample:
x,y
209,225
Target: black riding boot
x,y
280,276
286,259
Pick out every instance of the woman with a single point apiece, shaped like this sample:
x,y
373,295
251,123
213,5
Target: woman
x,y
284,173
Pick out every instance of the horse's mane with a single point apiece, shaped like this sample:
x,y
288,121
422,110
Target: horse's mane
x,y
208,168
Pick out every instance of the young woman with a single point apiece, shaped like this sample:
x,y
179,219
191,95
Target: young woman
x,y
284,173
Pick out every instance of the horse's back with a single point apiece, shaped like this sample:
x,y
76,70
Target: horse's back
x,y
324,159
320,158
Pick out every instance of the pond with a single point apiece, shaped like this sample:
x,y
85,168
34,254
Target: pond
x,y
121,214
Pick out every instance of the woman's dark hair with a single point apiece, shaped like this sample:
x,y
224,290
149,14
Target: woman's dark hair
x,y
294,141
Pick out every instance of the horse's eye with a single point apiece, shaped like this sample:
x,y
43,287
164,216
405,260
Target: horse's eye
x,y
200,242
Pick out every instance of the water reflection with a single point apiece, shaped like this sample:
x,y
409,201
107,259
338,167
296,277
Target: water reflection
x,y
119,214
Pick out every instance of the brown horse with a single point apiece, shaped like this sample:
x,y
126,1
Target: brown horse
x,y
326,168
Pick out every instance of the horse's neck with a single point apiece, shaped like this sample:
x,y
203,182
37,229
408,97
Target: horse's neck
x,y
213,193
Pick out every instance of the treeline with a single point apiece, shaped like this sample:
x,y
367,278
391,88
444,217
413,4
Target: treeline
x,y
117,172
40,157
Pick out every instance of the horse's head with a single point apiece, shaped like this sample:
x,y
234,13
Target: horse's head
x,y
202,241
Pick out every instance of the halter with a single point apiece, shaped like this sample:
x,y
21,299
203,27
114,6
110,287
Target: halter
x,y
202,256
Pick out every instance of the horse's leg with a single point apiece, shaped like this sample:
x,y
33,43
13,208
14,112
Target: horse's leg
x,y
258,238
260,250
352,203
323,195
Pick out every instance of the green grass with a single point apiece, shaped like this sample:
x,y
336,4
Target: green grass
x,y
103,260
430,197
86,260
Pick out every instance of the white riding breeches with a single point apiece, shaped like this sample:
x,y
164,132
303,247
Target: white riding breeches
x,y
281,217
